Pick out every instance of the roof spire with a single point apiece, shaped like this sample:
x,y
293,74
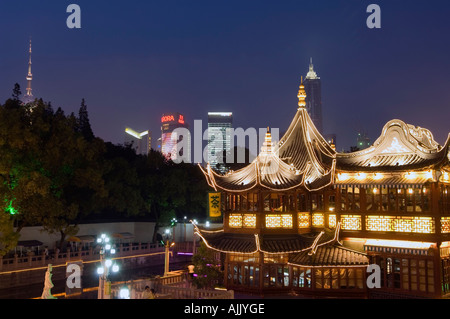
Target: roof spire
x,y
29,75
301,95
267,145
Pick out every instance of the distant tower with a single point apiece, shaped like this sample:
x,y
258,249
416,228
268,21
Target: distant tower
x,y
314,96
28,97
140,141
219,139
170,140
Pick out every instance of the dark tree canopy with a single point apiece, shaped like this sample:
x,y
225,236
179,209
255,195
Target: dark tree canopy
x,y
84,123
56,174
16,92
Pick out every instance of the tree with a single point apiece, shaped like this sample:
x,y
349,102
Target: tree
x,y
16,92
50,175
55,173
72,164
8,237
207,270
122,181
22,187
170,190
83,122
159,187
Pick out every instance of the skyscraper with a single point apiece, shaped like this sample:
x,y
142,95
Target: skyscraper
x,y
313,90
174,144
28,96
141,142
219,140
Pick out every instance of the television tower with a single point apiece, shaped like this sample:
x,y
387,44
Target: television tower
x,y
29,95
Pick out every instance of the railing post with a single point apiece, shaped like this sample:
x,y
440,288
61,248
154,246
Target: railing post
x,y
91,253
1,263
29,258
43,258
16,260
68,255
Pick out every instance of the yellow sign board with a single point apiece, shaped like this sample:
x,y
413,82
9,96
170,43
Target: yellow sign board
x,y
214,201
108,288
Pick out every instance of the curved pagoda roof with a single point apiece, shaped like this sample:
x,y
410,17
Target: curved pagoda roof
x,y
302,157
312,249
400,147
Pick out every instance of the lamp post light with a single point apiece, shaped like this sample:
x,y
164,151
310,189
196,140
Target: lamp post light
x,y
106,263
167,245
184,222
173,224
193,236
124,293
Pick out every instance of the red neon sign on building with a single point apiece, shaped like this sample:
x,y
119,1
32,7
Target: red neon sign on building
x,y
171,118
167,118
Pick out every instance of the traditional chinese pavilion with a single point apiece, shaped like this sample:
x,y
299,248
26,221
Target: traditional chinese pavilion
x,y
305,219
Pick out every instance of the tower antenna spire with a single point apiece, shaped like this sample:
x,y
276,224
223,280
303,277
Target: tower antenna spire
x,y
29,75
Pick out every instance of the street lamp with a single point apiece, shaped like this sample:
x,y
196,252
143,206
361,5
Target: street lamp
x,y
184,221
167,246
106,263
194,222
124,293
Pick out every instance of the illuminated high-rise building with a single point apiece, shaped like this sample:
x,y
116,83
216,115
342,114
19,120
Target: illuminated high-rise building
x,y
313,89
219,139
175,144
140,141
28,96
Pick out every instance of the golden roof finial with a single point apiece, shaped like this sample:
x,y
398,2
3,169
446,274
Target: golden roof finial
x,y
301,95
267,145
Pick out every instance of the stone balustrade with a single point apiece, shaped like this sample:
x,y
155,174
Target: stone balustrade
x,y
172,286
62,257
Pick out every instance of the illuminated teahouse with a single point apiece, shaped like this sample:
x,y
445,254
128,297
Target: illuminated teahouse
x,y
305,219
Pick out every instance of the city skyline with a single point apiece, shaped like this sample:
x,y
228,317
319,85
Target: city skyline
x,y
212,57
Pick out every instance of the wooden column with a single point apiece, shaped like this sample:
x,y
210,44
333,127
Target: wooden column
x,y
260,215
225,271
294,212
437,268
261,271
435,194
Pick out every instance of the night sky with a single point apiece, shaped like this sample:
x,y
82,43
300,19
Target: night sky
x,y
134,60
